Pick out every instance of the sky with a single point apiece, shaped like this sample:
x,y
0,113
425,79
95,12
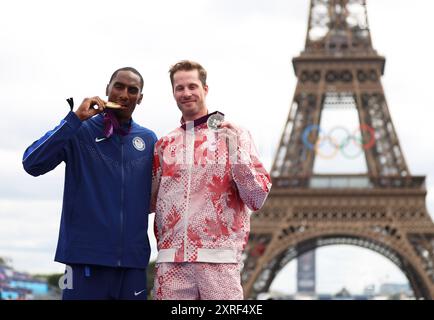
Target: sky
x,y
51,50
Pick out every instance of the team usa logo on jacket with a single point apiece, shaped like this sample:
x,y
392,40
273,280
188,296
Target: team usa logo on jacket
x,y
139,144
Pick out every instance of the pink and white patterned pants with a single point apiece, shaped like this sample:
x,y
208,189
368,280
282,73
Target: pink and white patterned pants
x,y
197,281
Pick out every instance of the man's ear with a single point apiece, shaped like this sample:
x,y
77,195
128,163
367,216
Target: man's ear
x,y
140,99
205,88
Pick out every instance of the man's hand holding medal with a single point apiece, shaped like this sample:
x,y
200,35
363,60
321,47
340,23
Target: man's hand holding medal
x,y
228,131
92,106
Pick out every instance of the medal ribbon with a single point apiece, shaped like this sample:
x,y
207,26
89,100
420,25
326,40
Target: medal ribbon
x,y
111,125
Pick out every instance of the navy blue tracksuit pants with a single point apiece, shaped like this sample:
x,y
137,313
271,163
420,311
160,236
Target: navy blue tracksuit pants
x,y
90,282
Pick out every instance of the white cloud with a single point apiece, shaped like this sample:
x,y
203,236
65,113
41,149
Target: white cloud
x,y
353,268
28,233
18,185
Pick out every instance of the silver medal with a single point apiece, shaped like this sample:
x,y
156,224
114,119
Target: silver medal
x,y
215,120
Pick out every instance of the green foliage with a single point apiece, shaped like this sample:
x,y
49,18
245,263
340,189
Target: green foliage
x,y
53,279
150,273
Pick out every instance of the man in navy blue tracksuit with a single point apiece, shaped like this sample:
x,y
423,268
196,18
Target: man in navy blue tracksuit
x,y
103,231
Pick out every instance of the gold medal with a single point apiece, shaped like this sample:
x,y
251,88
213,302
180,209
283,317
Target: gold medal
x,y
113,105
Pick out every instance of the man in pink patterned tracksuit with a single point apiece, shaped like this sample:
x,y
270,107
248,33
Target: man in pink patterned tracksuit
x,y
206,177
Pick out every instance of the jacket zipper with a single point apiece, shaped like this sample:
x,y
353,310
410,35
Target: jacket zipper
x,y
122,203
190,135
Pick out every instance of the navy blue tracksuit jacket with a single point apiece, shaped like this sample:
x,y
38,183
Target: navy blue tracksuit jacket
x,y
107,190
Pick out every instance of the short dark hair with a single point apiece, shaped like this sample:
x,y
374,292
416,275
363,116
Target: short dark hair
x,y
188,65
128,69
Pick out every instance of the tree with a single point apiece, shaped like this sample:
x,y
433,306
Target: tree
x,y
53,279
5,261
150,272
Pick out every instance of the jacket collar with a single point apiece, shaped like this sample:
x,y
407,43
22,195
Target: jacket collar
x,y
200,120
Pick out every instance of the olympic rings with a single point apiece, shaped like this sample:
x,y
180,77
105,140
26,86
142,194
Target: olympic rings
x,y
321,139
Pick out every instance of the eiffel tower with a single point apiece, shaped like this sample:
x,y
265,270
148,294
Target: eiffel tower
x,y
383,210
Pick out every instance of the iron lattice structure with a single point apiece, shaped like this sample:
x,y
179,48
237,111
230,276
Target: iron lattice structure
x,y
383,210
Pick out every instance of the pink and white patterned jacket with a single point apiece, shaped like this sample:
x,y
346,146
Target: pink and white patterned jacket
x,y
201,193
